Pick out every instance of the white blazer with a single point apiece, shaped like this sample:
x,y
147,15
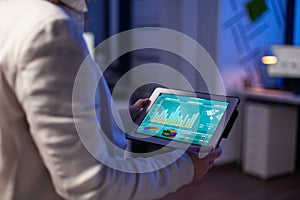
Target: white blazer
x,y
41,154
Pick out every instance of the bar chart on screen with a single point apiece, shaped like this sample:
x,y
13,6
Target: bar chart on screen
x,y
176,115
181,118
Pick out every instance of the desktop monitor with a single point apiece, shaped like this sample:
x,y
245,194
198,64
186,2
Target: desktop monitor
x,y
287,67
288,62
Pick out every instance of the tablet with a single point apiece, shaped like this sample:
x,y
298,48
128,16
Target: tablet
x,y
183,119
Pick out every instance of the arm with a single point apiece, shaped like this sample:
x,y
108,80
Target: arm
x,y
44,87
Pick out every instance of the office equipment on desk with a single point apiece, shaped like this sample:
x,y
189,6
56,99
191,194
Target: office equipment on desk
x,y
288,64
284,67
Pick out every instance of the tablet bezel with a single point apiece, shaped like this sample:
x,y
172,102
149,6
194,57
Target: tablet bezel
x,y
217,136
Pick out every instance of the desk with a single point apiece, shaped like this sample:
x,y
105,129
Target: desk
x,y
270,129
275,96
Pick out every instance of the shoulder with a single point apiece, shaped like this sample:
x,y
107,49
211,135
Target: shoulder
x,y
38,23
25,18
33,27
33,10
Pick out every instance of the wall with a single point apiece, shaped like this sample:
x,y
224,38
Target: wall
x,y
242,42
297,19
195,18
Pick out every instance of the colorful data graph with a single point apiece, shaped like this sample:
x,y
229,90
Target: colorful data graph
x,y
175,118
184,119
175,111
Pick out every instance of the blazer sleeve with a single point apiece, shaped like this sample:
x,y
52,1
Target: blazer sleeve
x,y
48,66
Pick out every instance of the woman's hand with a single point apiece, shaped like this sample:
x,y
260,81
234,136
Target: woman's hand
x,y
203,165
137,107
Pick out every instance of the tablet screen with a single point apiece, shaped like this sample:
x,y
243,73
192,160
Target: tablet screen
x,y
185,119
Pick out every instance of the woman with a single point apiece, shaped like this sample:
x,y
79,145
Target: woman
x,y
42,156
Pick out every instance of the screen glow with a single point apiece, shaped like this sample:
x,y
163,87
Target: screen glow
x,y
185,119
